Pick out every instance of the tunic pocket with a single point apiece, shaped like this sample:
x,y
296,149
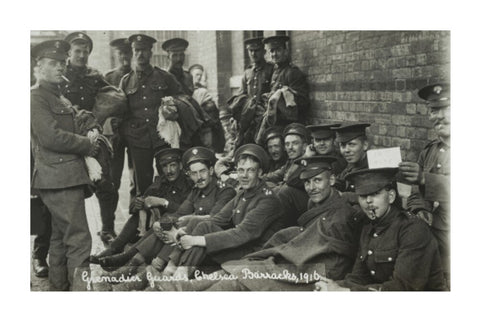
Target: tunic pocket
x,y
385,256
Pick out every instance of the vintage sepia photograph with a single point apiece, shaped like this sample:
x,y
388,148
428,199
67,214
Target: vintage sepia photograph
x,y
240,160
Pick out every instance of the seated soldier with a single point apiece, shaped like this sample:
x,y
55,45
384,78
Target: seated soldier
x,y
323,143
290,189
273,141
353,147
242,226
167,192
324,242
397,250
207,197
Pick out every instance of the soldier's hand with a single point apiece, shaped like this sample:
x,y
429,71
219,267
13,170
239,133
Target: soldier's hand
x,y
188,241
310,151
426,216
138,203
157,229
158,263
94,149
185,218
412,172
152,201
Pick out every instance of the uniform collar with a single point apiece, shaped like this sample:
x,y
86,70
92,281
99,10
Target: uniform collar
x,y
144,73
207,190
253,191
283,64
76,70
363,163
259,65
53,88
380,225
125,69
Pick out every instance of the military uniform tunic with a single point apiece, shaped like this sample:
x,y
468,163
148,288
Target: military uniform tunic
x,y
60,176
434,196
397,253
242,226
145,90
83,86
184,79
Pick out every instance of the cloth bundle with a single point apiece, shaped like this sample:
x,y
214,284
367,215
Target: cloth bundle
x,y
168,127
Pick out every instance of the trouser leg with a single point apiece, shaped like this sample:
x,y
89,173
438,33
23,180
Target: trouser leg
x,y
127,235
443,240
71,242
142,159
41,242
195,255
107,196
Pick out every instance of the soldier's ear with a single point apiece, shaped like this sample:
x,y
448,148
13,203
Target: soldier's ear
x,y
332,179
211,170
392,195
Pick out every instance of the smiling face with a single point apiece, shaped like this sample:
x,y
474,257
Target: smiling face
x,y
249,172
200,174
440,117
377,204
295,146
50,70
354,150
319,187
79,53
171,170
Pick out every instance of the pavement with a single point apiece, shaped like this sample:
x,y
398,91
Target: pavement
x,y
95,225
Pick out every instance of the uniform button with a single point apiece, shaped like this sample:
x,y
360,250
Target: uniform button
x,y
68,91
61,111
238,211
369,252
144,97
389,259
81,98
81,87
243,199
301,229
361,257
442,150
203,196
323,218
143,86
147,120
146,108
352,186
372,272
66,86
375,235
200,208
173,192
439,165
61,159
254,96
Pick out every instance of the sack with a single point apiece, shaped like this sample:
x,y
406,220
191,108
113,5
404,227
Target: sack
x,y
109,102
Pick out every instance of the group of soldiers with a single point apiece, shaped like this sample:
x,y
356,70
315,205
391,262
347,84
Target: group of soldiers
x,y
251,198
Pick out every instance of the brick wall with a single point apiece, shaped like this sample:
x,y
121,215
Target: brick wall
x,y
373,76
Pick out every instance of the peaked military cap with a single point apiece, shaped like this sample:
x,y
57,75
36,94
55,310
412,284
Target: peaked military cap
x,y
347,132
322,131
276,41
168,155
199,153
253,150
297,129
141,41
175,44
121,44
254,43
369,181
272,132
79,36
312,166
53,49
437,95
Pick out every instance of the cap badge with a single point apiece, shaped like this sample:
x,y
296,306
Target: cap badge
x,y
303,162
80,35
437,89
139,38
195,151
57,44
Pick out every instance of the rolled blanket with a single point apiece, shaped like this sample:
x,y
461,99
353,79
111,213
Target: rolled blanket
x,y
167,128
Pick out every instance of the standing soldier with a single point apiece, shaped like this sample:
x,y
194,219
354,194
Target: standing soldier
x,y
255,82
123,54
81,89
287,101
432,172
175,49
145,86
60,173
